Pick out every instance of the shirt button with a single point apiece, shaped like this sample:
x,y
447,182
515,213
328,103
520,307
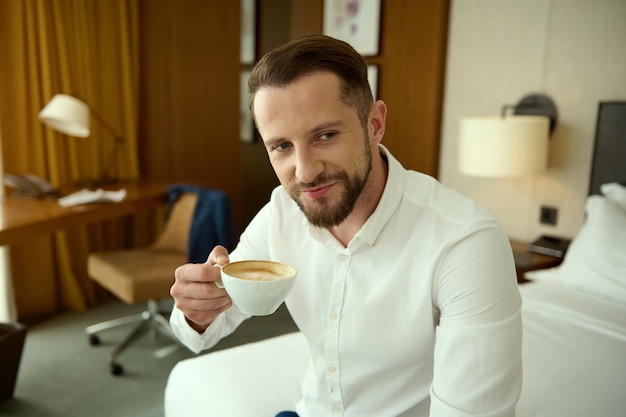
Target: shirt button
x,y
336,408
332,369
342,256
333,315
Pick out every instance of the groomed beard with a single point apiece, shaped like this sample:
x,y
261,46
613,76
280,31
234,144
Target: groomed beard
x,y
321,214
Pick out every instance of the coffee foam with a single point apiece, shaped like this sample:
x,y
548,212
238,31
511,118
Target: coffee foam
x,y
260,271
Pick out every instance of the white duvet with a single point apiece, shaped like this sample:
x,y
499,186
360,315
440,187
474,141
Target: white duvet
x,y
574,353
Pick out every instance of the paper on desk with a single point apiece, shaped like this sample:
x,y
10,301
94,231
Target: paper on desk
x,y
86,196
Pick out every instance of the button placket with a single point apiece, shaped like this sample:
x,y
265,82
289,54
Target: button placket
x,y
331,348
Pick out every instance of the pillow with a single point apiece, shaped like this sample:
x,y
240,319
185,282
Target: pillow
x,y
595,261
615,192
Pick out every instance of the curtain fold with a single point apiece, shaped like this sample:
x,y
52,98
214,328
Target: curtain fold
x,y
88,49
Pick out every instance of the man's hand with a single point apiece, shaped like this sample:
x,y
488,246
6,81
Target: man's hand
x,y
195,293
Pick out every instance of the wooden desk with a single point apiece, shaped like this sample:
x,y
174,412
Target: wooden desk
x,y
22,218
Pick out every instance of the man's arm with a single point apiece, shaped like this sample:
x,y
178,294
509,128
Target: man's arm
x,y
478,365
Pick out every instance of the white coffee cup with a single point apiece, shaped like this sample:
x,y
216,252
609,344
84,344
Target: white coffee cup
x,y
258,287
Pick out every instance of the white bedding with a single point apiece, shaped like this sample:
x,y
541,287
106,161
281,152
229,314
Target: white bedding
x,y
256,379
574,364
574,353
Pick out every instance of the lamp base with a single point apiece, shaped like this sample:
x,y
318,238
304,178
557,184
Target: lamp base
x,y
94,183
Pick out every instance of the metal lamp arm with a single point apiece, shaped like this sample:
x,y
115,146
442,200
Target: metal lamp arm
x,y
118,142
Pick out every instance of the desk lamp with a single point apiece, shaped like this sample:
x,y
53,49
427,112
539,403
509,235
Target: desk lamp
x,y
512,145
69,115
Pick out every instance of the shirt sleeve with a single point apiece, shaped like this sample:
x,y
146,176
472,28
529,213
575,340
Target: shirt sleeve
x,y
477,358
224,324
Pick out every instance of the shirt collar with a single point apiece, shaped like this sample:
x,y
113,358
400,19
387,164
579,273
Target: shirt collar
x,y
389,200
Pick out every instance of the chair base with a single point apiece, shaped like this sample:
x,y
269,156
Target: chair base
x,y
152,318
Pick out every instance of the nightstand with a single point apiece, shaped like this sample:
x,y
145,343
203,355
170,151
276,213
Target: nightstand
x,y
529,261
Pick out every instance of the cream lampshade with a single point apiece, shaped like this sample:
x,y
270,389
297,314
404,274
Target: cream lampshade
x,y
70,115
513,145
507,146
67,114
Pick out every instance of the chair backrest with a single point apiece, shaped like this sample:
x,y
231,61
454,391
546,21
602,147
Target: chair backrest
x,y
212,223
175,235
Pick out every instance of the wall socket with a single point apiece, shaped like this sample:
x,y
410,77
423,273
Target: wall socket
x,y
548,215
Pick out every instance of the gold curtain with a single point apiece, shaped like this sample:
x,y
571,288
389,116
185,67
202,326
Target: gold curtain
x,y
88,49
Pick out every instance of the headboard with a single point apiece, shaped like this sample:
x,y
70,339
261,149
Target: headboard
x,y
609,153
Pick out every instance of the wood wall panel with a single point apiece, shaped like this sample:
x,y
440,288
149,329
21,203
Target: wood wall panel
x,y
306,17
189,94
411,76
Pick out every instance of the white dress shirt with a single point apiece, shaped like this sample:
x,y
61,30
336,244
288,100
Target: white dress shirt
x,y
421,310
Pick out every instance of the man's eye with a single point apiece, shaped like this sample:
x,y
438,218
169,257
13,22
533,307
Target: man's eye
x,y
282,146
327,135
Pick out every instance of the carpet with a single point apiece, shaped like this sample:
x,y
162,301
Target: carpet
x,y
61,375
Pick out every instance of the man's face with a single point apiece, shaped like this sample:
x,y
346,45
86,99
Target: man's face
x,y
316,144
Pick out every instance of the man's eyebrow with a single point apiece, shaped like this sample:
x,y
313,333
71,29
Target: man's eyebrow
x,y
327,125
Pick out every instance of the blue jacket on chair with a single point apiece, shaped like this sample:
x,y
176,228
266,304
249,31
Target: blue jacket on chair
x,y
212,222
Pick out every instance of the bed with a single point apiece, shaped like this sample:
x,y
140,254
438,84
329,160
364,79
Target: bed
x,y
574,353
574,324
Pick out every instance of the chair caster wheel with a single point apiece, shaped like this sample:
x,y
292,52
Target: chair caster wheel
x,y
116,369
94,340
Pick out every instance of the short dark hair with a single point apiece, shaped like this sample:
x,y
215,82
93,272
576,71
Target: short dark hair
x,y
313,53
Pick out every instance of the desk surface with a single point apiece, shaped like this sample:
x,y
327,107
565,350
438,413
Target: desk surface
x,y
22,218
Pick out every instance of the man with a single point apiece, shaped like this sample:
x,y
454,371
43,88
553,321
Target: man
x,y
406,291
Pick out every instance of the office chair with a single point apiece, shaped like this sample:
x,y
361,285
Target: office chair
x,y
198,219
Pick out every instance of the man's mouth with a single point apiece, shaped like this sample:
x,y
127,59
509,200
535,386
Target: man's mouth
x,y
318,192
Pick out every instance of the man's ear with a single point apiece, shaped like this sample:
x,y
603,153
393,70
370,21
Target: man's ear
x,y
376,122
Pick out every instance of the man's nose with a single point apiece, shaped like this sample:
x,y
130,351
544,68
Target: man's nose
x,y
308,165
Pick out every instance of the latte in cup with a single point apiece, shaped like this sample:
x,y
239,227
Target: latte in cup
x,y
259,270
258,287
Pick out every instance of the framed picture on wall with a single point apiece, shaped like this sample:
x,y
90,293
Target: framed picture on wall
x,y
354,21
248,30
246,124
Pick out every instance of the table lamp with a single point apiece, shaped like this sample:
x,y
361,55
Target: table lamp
x,y
70,115
511,145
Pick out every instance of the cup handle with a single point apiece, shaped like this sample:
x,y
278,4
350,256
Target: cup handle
x,y
219,284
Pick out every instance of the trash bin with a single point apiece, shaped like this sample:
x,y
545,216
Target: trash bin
x,y
11,343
